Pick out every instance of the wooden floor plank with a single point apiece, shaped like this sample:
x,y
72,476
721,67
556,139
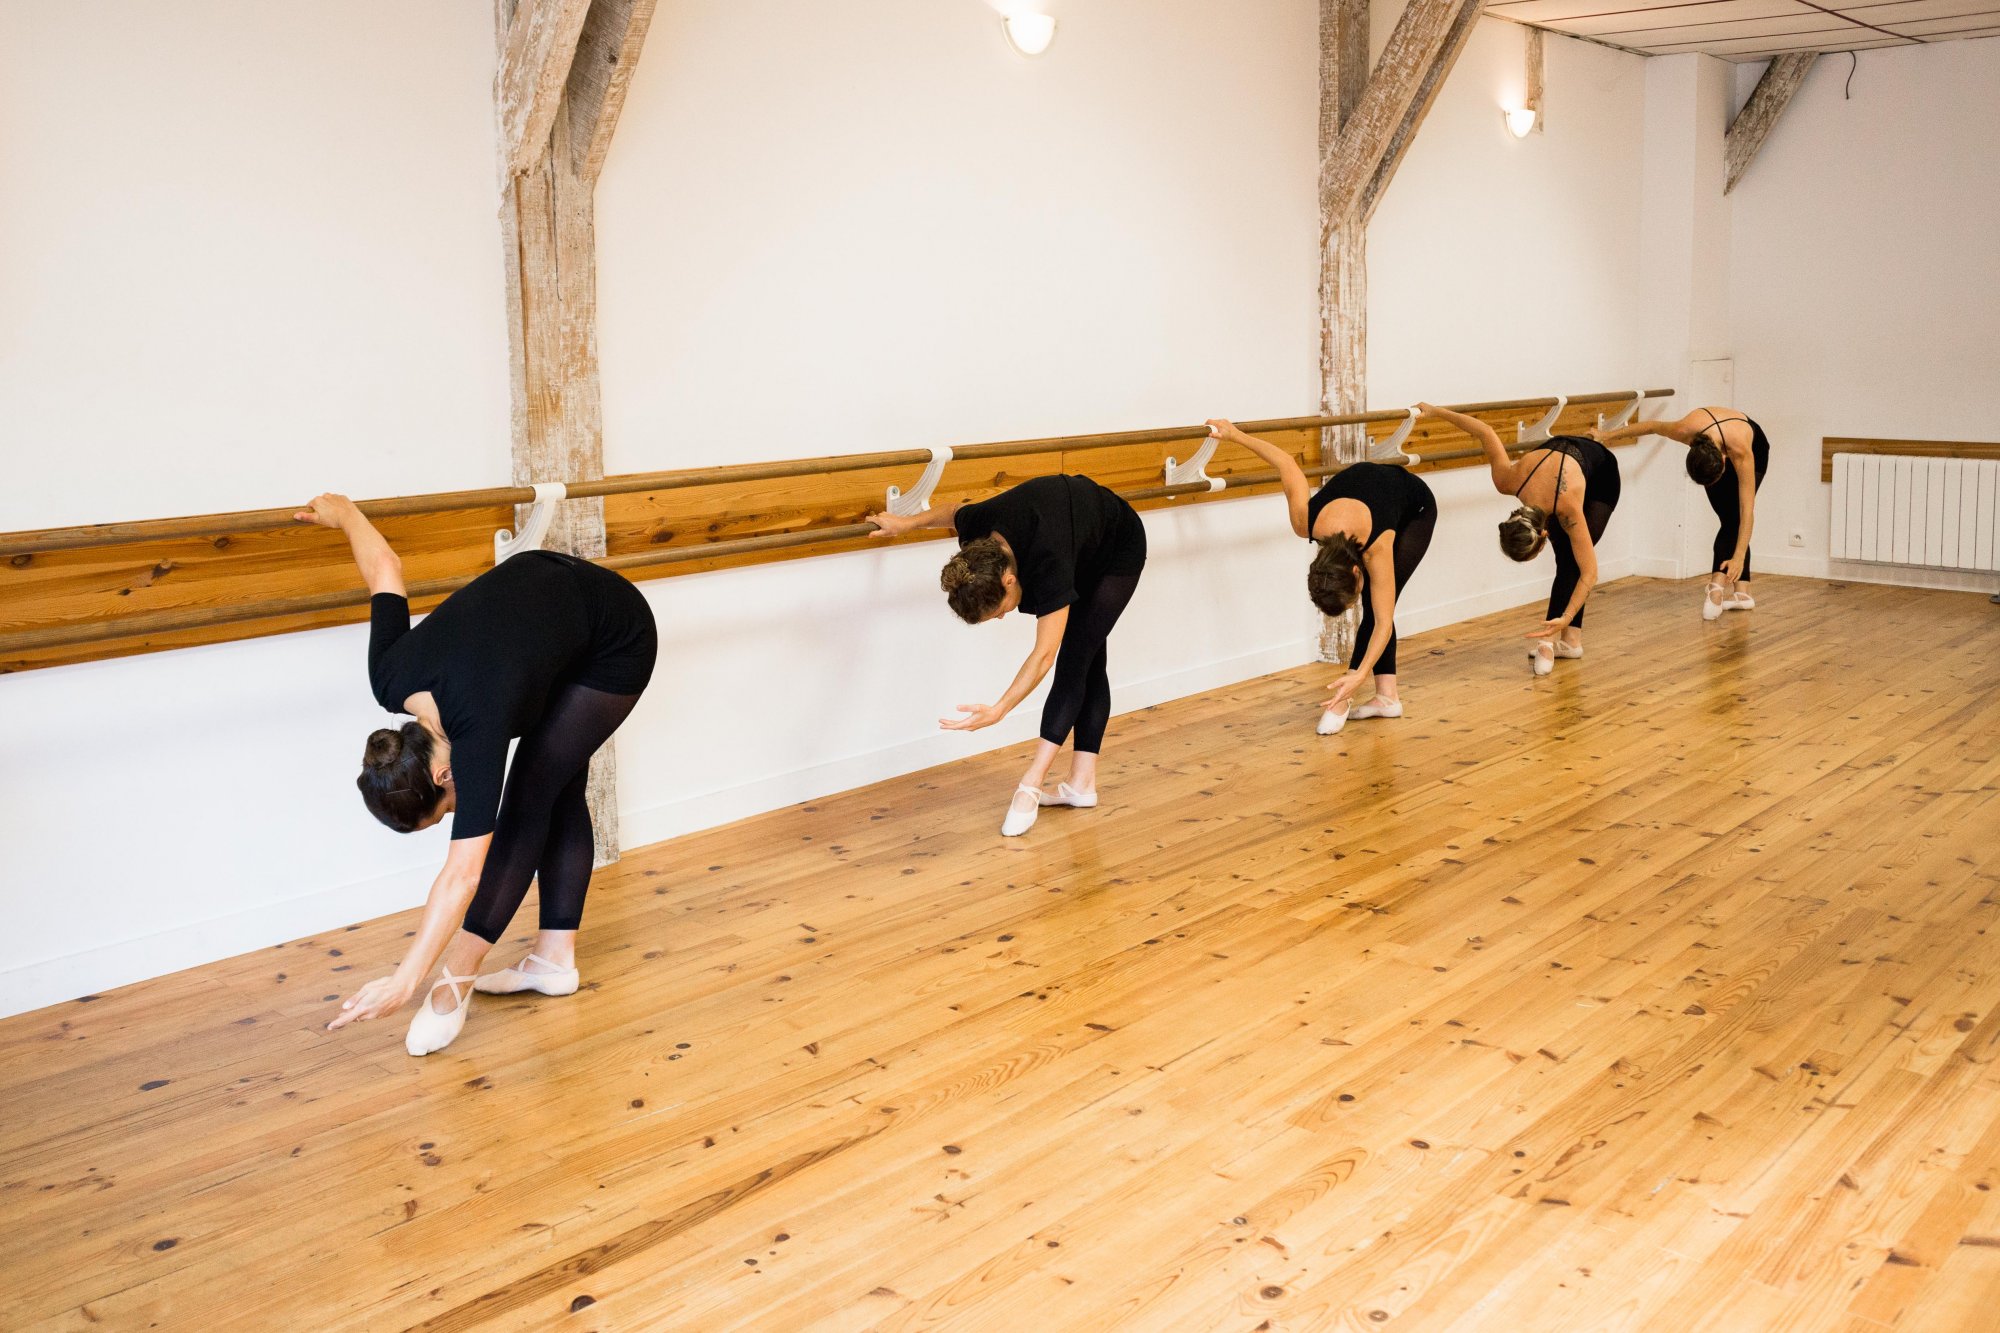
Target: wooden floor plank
x,y
1661,992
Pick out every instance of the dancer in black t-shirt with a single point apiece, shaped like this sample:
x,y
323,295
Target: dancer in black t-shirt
x,y
546,647
1069,552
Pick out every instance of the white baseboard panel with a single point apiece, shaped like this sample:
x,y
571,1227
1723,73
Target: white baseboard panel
x,y
1904,576
1899,576
102,967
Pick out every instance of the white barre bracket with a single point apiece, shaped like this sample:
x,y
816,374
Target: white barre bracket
x,y
534,529
1390,448
1625,413
906,504
1195,470
1538,432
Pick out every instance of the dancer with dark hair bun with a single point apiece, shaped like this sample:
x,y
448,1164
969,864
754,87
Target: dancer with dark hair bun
x,y
1068,552
1727,458
1350,515
1568,479
546,647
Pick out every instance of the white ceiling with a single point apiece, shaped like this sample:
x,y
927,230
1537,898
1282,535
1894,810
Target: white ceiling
x,y
1757,29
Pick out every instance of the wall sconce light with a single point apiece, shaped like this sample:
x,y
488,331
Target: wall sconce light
x,y
1028,31
1521,120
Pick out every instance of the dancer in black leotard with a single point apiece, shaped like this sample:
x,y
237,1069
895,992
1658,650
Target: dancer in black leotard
x,y
1572,480
1069,552
546,647
1349,517
1727,457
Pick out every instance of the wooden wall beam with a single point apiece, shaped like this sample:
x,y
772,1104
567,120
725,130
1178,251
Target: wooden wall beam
x,y
1416,49
1343,264
1343,268
1773,93
548,228
606,54
1429,81
538,45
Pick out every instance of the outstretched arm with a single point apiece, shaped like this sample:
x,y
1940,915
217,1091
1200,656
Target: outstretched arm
x,y
894,525
1585,551
1497,459
1380,562
1048,642
1298,492
380,568
1681,432
1746,511
450,894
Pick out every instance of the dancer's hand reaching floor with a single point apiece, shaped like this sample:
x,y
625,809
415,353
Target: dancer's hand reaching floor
x,y
1343,690
976,716
1548,629
378,999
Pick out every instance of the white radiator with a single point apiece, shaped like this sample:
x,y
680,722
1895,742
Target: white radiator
x,y
1939,513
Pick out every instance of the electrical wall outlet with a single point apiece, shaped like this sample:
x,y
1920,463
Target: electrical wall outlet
x,y
1798,538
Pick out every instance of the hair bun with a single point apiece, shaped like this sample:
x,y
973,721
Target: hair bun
x,y
957,573
385,747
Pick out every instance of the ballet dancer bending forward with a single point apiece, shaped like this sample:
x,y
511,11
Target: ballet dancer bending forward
x,y
1727,456
1373,523
1569,479
546,647
1068,552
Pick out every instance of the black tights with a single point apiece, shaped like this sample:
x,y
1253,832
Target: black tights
x,y
1410,545
544,823
1080,698
1598,503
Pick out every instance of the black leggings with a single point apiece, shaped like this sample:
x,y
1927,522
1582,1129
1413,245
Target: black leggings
x,y
1599,498
1722,499
1080,698
1411,542
544,822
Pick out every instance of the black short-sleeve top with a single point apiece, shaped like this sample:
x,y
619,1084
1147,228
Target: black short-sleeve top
x,y
489,655
1066,532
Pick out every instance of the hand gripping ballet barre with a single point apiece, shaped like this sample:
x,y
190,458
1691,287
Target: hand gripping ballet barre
x,y
167,622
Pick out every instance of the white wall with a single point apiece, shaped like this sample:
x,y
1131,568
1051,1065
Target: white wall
x,y
1865,276
821,229
247,253
889,230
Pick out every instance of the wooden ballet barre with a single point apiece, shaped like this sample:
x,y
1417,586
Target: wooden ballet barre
x,y
265,520
1236,480
168,622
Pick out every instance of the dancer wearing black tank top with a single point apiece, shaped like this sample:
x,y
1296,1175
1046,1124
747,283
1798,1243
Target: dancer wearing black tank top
x,y
544,647
1068,552
1727,458
1372,523
1568,488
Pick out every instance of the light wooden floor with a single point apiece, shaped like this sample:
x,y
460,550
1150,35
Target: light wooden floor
x,y
1657,994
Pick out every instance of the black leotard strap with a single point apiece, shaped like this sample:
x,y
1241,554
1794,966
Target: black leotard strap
x,y
1716,424
1556,448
